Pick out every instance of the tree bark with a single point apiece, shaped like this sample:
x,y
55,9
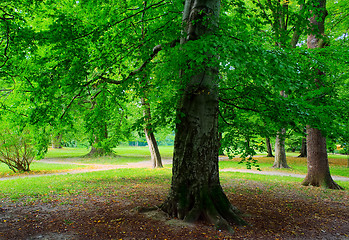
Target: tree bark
x,y
280,153
195,189
318,168
56,141
317,161
303,151
97,151
269,149
149,135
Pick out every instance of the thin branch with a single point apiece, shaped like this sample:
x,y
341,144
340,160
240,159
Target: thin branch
x,y
71,102
346,15
159,4
156,50
220,114
75,97
6,48
234,105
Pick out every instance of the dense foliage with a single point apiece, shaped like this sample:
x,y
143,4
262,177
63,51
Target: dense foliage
x,y
85,65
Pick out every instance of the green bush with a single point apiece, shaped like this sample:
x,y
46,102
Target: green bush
x,y
16,149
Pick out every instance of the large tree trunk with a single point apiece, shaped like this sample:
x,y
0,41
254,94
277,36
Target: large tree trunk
x,y
280,152
269,149
97,151
149,135
318,168
195,189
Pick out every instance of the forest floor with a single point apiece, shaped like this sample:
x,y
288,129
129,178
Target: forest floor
x,y
282,212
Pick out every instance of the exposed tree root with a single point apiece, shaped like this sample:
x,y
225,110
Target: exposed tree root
x,y
326,183
99,152
280,165
211,206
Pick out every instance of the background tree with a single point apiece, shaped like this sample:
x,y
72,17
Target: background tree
x,y
269,149
318,169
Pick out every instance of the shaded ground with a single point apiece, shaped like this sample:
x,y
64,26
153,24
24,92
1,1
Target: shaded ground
x,y
110,212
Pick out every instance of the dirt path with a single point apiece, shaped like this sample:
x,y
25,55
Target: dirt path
x,y
92,167
146,164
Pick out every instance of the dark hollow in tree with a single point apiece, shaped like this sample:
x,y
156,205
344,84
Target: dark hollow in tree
x,y
196,192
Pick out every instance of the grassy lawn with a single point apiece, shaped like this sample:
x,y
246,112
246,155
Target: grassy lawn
x,y
48,187
39,168
127,154
124,155
338,166
66,152
93,203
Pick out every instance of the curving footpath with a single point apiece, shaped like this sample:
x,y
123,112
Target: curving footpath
x,y
148,164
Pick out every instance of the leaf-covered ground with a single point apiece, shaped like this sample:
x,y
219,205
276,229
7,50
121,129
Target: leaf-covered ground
x,y
274,211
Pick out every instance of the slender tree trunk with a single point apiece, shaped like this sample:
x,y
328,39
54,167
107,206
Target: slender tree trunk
x,y
318,168
269,148
149,135
303,152
195,189
221,150
280,153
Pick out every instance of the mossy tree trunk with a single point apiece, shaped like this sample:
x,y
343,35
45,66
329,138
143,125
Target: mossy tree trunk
x,y
317,160
195,189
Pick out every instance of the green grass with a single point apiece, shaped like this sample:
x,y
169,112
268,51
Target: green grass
x,y
165,151
39,168
125,154
338,166
330,155
66,152
47,188
270,179
46,185
93,182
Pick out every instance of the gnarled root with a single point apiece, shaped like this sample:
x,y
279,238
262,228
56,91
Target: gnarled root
x,y
210,205
326,183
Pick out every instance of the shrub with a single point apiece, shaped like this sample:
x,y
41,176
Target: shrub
x,y
16,150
